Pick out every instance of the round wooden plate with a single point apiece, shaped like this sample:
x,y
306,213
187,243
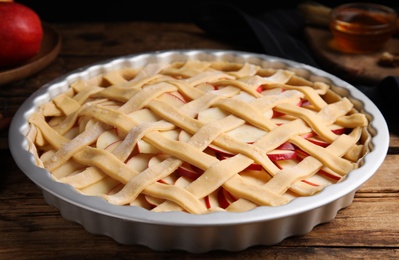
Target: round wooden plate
x,y
50,48
359,68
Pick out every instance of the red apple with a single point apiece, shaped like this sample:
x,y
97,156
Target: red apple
x,y
277,114
339,131
281,164
206,87
21,33
306,103
277,155
308,135
223,155
286,146
207,202
173,98
301,154
310,183
333,176
211,201
111,147
225,198
254,167
188,171
318,141
153,201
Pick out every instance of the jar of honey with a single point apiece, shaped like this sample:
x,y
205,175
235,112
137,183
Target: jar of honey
x,y
361,27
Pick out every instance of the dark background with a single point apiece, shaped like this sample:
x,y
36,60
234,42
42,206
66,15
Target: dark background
x,y
150,10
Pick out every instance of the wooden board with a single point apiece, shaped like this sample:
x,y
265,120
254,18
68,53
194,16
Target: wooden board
x,y
359,68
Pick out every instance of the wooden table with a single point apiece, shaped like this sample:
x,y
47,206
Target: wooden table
x,y
31,229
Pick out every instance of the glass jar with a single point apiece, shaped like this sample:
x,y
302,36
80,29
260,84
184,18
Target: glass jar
x,y
361,27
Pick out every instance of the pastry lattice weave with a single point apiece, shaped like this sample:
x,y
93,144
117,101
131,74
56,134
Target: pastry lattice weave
x,y
198,136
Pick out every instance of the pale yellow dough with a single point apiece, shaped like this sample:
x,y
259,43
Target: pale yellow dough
x,y
94,137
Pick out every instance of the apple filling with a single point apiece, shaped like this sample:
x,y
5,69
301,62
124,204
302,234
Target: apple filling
x,y
198,136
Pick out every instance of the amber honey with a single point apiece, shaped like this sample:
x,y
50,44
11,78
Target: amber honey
x,y
362,28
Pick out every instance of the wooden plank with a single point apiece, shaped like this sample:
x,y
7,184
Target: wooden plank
x,y
107,39
386,178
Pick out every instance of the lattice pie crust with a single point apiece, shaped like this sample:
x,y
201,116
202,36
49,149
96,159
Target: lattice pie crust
x,y
198,136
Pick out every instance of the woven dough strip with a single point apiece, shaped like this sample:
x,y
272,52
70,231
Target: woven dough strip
x,y
66,130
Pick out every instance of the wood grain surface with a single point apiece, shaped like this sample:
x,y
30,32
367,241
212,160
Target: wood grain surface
x,y
31,229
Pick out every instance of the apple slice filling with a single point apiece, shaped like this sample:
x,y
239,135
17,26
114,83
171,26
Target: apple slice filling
x,y
198,136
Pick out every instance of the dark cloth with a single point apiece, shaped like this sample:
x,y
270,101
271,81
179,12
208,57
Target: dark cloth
x,y
280,33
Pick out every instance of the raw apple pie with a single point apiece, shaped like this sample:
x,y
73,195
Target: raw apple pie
x,y
199,136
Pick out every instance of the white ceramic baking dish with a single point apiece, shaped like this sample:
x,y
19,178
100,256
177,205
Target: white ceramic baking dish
x,y
197,233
